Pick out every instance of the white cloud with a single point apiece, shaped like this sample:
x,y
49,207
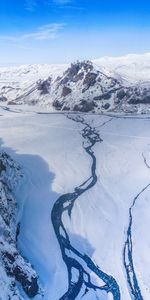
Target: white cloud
x,y
46,32
32,4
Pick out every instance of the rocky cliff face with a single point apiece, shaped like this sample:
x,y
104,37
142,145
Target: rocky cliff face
x,y
84,87
16,274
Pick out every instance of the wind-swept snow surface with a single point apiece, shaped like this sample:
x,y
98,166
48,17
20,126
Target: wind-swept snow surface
x,y
83,202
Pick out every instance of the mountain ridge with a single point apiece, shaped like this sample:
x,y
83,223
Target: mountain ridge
x,y
84,86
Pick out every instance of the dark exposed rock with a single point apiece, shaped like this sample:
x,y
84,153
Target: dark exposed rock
x,y
44,86
66,91
57,104
146,99
17,231
106,105
28,283
12,103
3,99
12,263
121,94
73,70
105,96
64,80
140,100
33,101
30,286
90,80
9,257
87,66
96,98
76,72
84,106
77,107
2,166
76,67
78,77
138,95
133,100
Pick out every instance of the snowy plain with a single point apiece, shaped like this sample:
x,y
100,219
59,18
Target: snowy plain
x,y
49,149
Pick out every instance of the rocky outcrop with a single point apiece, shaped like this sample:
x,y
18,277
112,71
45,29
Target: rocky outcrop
x,y
84,87
3,99
58,105
66,91
139,95
44,86
76,72
106,106
13,267
84,106
89,80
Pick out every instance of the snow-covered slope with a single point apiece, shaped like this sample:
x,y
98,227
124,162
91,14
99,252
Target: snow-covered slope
x,y
107,84
16,274
17,79
131,68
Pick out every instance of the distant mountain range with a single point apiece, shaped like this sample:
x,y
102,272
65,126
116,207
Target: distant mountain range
x,y
118,84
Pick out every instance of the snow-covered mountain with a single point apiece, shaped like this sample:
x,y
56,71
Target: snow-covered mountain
x,y
106,84
15,272
130,69
15,80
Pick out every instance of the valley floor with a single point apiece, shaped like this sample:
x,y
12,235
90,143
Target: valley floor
x,y
109,222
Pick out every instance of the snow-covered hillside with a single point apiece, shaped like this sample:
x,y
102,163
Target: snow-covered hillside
x,y
85,190
131,68
108,84
15,80
16,274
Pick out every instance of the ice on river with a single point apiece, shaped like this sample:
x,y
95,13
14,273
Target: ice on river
x,y
49,148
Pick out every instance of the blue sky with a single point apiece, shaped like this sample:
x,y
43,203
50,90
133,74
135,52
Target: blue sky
x,y
58,31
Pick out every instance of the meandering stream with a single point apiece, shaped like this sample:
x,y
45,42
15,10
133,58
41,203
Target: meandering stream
x,y
74,259
128,249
